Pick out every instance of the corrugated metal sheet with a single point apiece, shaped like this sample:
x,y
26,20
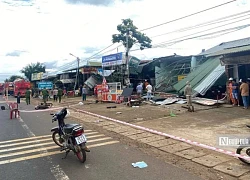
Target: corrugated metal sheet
x,y
197,76
209,81
226,45
67,81
231,51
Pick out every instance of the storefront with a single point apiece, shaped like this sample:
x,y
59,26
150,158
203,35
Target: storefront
x,y
237,63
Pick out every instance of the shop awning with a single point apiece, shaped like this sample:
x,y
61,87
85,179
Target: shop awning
x,y
67,81
199,75
209,81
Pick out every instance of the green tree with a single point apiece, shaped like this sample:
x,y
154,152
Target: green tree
x,y
136,36
13,78
33,68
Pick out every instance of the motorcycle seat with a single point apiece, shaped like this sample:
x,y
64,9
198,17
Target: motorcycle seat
x,y
68,128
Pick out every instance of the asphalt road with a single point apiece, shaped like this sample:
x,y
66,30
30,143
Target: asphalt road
x,y
28,152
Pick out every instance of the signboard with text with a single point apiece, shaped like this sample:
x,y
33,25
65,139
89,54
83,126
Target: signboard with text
x,y
89,70
46,85
113,59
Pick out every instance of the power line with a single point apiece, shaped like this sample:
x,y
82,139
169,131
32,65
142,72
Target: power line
x,y
189,15
99,52
223,19
208,29
195,37
72,63
237,28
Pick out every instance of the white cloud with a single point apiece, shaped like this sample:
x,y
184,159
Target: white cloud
x,y
50,30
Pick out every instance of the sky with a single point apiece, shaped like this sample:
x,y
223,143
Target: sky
x,y
48,30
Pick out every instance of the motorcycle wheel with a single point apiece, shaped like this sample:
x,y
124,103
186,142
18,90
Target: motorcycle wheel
x,y
55,139
81,155
239,150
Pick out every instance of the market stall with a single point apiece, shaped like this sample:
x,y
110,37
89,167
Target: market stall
x,y
108,92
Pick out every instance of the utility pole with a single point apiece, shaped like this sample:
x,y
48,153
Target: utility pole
x,y
77,71
78,79
127,59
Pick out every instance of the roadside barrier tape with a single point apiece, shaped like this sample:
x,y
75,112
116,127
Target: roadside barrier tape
x,y
42,110
168,135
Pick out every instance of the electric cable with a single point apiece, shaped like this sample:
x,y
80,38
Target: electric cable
x,y
224,19
183,17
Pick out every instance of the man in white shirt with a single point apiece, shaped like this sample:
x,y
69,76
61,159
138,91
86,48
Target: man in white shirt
x,y
149,91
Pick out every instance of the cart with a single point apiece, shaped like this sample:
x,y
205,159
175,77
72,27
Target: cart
x,y
109,92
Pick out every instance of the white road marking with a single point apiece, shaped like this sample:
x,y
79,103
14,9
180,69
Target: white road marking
x,y
44,154
57,172
36,147
25,142
24,139
26,147
28,151
37,137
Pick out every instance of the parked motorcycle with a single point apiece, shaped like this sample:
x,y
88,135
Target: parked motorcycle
x,y
70,137
241,149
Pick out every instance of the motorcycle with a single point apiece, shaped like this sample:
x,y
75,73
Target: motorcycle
x,y
71,136
247,151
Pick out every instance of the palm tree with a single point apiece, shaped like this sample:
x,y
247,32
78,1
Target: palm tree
x,y
33,68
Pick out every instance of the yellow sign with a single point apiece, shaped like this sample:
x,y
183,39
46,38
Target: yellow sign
x,y
180,77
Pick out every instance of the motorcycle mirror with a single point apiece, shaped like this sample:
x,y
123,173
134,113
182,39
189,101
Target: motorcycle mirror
x,y
51,114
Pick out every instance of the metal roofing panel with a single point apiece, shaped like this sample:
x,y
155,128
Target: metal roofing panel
x,y
198,75
67,81
231,50
209,81
226,45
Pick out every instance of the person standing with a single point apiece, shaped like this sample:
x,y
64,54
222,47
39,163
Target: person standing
x,y
80,90
18,99
244,89
27,96
64,92
84,93
139,89
59,94
235,93
230,90
45,95
149,91
188,94
55,93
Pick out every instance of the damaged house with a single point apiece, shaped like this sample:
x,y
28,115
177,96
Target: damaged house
x,y
165,72
228,59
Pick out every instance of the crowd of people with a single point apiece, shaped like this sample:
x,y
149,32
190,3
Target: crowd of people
x,y
238,91
56,94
